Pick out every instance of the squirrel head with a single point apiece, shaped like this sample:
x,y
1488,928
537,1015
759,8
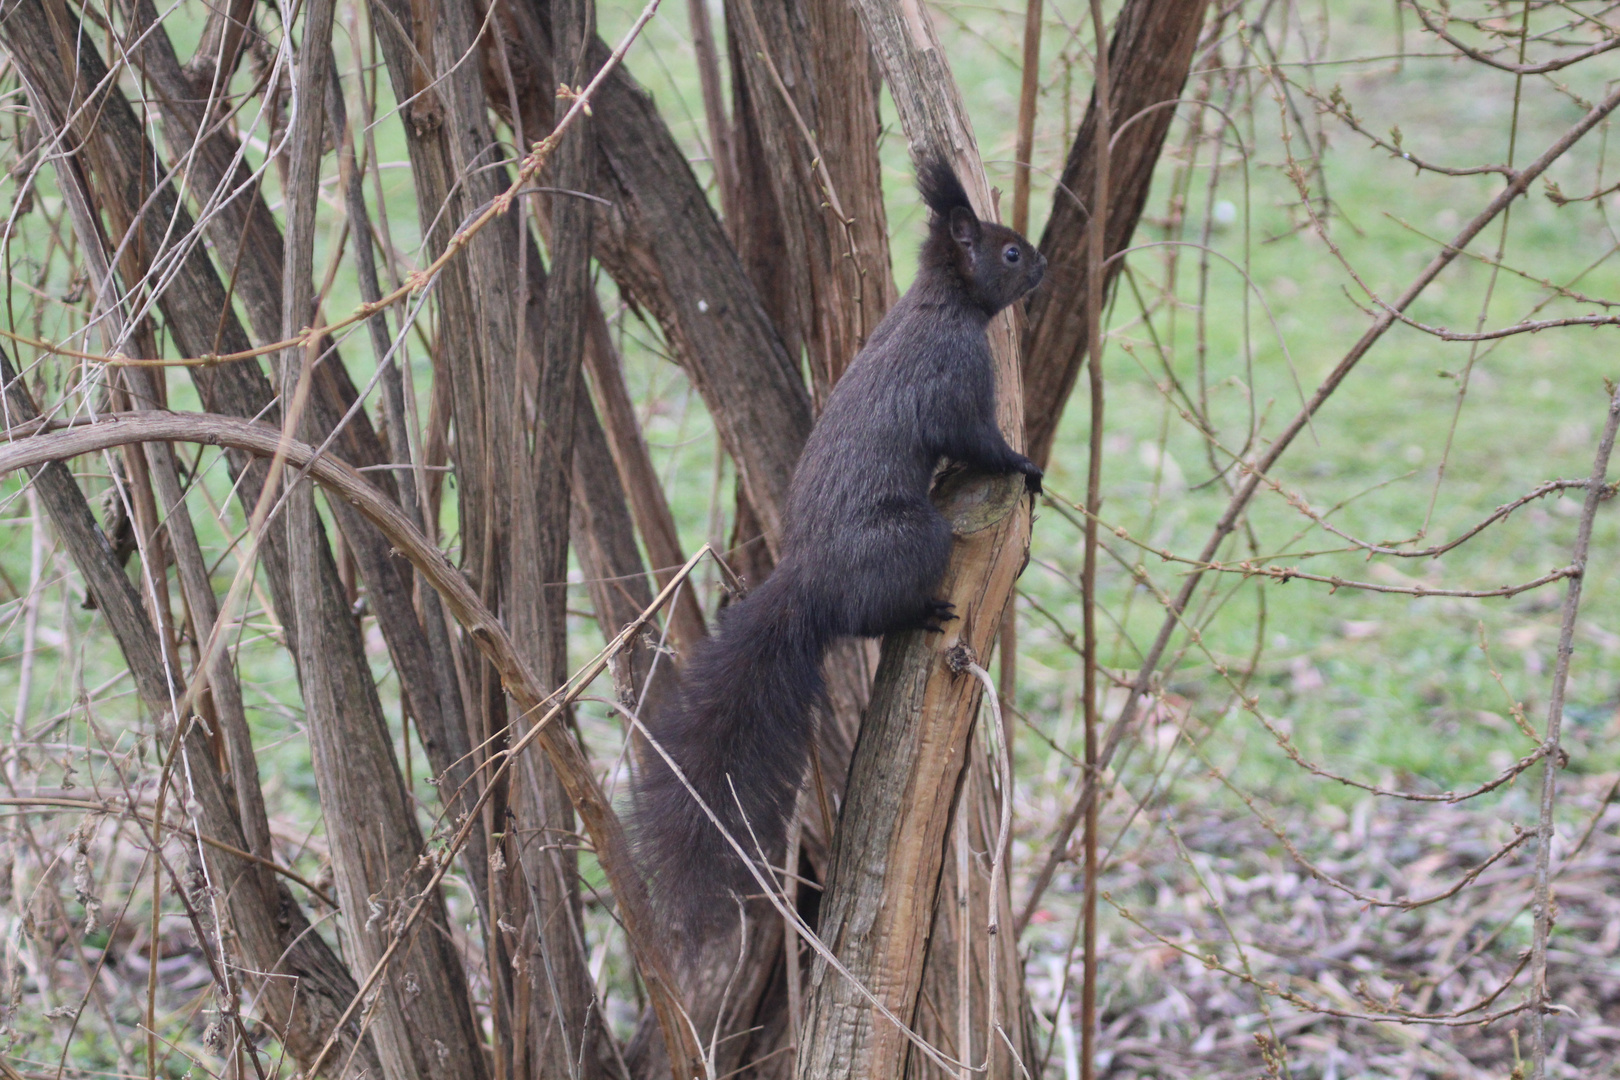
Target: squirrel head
x,y
992,264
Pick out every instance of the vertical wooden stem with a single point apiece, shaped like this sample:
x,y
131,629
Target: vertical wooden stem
x,y
1033,11
714,106
1007,652
1088,574
1552,753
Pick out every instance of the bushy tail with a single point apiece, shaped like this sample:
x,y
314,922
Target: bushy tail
x,y
739,728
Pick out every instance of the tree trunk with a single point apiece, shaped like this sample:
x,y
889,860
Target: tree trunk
x,y
1152,51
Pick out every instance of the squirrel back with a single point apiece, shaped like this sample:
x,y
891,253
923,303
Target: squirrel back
x,y
863,551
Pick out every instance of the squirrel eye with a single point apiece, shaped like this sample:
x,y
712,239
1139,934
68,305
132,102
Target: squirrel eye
x,y
1011,255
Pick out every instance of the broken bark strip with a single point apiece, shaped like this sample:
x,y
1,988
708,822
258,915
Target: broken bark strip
x,y
562,749
1150,54
962,909
908,764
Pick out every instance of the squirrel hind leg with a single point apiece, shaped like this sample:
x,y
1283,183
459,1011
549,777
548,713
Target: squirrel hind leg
x,y
891,587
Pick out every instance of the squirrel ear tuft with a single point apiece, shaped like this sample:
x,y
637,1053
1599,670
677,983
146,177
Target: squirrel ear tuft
x,y
941,189
964,226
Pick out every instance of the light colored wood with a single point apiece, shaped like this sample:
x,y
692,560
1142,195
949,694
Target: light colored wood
x,y
908,764
913,746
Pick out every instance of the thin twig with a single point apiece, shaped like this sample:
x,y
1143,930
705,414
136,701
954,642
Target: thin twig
x,y
1552,750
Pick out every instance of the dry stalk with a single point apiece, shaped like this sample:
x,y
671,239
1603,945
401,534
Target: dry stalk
x,y
1551,750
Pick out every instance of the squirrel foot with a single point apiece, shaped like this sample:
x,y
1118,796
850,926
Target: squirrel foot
x,y
936,613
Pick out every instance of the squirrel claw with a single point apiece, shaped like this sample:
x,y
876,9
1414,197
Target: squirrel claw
x,y
936,614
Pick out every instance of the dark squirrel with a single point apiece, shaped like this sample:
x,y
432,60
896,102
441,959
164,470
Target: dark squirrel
x,y
862,552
